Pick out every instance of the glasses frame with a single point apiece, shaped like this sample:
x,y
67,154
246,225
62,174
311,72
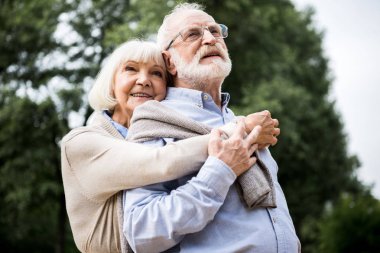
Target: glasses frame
x,y
223,27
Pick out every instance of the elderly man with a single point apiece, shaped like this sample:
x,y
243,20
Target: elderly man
x,y
208,216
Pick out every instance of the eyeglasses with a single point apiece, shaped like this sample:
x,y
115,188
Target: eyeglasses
x,y
195,32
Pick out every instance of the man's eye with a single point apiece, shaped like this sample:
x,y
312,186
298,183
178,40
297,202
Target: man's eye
x,y
193,34
214,31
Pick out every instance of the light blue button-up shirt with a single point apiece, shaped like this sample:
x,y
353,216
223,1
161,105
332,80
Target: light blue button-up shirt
x,y
203,212
120,128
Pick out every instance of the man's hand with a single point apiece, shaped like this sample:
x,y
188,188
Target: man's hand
x,y
235,151
269,131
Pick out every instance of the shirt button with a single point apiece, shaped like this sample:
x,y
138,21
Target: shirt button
x,y
205,97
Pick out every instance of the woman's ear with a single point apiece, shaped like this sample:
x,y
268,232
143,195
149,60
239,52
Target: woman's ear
x,y
169,63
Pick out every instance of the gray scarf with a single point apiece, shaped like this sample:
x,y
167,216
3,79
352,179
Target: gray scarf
x,y
153,120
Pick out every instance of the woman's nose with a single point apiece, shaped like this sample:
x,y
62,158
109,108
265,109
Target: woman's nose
x,y
143,80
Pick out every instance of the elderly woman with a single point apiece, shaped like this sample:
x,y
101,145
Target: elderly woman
x,y
97,161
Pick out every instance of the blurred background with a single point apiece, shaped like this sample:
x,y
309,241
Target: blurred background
x,y
285,59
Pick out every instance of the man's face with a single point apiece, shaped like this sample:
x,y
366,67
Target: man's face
x,y
202,59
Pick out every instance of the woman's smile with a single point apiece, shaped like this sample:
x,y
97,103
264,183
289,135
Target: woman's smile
x,y
134,84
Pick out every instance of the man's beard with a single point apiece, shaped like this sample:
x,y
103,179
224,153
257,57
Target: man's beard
x,y
198,74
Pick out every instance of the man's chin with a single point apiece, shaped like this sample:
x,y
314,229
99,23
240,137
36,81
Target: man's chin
x,y
210,60
218,70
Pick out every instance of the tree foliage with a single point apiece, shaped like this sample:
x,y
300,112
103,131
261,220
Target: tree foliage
x,y
32,213
26,29
30,186
351,226
53,49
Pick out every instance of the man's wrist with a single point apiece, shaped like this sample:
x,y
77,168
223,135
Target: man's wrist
x,y
217,175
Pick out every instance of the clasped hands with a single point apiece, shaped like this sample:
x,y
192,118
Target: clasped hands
x,y
269,128
255,131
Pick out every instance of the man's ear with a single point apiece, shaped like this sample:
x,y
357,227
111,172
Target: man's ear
x,y
169,63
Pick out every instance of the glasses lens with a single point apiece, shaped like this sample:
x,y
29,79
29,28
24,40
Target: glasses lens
x,y
215,30
192,33
224,30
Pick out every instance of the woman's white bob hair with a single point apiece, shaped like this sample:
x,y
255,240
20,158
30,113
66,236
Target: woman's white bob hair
x,y
101,96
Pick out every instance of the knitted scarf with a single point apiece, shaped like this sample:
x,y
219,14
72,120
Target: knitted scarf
x,y
153,120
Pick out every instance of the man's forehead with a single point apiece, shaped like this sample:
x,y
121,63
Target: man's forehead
x,y
191,17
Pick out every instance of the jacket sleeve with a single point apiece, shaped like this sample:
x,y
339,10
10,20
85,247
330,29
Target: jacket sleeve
x,y
103,165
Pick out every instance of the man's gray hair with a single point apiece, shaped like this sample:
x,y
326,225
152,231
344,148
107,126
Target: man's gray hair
x,y
165,31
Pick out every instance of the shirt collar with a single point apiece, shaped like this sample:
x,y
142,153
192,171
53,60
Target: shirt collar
x,y
225,98
120,128
194,96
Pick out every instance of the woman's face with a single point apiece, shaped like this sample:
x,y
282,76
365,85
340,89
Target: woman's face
x,y
136,83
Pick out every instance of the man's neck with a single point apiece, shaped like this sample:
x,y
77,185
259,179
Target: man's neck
x,y
213,88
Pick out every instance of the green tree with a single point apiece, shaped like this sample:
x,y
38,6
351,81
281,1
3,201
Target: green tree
x,y
351,226
33,217
278,64
32,205
26,29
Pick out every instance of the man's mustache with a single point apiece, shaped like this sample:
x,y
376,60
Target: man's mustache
x,y
208,50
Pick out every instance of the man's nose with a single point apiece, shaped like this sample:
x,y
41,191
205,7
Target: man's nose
x,y
208,38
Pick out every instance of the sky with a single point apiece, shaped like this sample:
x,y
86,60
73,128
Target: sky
x,y
352,45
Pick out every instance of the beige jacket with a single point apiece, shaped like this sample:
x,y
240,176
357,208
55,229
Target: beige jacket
x,y
97,163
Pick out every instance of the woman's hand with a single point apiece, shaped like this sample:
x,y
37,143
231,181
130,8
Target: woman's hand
x,y
270,129
235,151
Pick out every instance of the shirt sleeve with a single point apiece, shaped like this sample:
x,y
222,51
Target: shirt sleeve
x,y
157,217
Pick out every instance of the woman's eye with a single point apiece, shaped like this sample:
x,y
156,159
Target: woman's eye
x,y
158,73
129,68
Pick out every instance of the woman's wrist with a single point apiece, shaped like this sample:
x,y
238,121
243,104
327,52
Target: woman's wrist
x,y
230,127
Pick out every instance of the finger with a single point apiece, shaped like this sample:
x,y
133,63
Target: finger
x,y
267,129
274,142
276,132
266,113
253,148
215,135
240,130
268,122
276,123
252,137
252,161
262,146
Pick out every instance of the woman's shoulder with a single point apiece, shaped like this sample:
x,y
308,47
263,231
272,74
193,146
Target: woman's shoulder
x,y
75,132
96,124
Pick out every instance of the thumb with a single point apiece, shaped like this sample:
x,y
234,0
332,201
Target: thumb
x,y
252,137
215,134
214,142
